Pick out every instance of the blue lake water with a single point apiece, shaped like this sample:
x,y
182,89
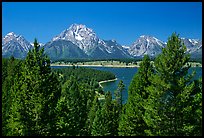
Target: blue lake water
x,y
126,75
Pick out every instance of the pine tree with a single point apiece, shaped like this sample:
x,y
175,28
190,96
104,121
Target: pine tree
x,y
132,122
63,109
87,97
107,112
73,108
91,115
69,109
117,107
118,94
171,103
37,93
10,72
97,127
102,124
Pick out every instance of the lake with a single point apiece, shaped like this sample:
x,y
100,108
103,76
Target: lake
x,y
126,75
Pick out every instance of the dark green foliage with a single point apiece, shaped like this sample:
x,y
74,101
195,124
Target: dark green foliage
x,y
117,107
35,93
77,112
69,109
86,75
118,93
32,100
103,121
10,72
132,122
170,106
163,100
91,115
97,127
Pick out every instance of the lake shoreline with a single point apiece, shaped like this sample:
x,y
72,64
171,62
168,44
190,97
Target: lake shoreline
x,y
111,66
106,81
193,64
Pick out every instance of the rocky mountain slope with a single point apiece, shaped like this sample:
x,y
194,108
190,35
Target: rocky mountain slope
x,y
15,45
87,40
146,45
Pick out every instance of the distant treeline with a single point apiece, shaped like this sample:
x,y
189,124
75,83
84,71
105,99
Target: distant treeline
x,y
126,60
85,75
199,60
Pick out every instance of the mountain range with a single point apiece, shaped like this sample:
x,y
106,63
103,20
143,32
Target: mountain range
x,y
79,41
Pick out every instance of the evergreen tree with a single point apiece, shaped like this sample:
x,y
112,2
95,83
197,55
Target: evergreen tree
x,y
87,97
107,112
10,72
91,115
117,107
173,94
97,127
36,96
132,122
118,94
69,109
102,125
73,108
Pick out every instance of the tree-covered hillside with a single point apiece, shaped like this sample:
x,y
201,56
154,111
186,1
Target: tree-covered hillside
x,y
83,74
163,99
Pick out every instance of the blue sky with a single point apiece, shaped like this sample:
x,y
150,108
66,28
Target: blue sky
x,y
122,21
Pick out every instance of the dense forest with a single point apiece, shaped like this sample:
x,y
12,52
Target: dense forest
x,y
163,99
84,74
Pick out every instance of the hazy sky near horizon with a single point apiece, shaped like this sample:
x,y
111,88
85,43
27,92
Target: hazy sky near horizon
x,y
122,21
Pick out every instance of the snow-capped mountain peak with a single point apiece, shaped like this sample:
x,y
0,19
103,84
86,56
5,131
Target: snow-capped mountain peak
x,y
76,31
142,36
80,35
77,27
192,45
11,34
194,41
13,44
146,44
79,41
9,37
87,40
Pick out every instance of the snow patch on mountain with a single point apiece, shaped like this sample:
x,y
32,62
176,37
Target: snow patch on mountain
x,y
192,45
126,47
87,40
146,44
81,36
41,44
13,38
15,45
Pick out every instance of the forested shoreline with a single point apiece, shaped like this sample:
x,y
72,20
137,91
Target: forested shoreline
x,y
163,100
112,63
